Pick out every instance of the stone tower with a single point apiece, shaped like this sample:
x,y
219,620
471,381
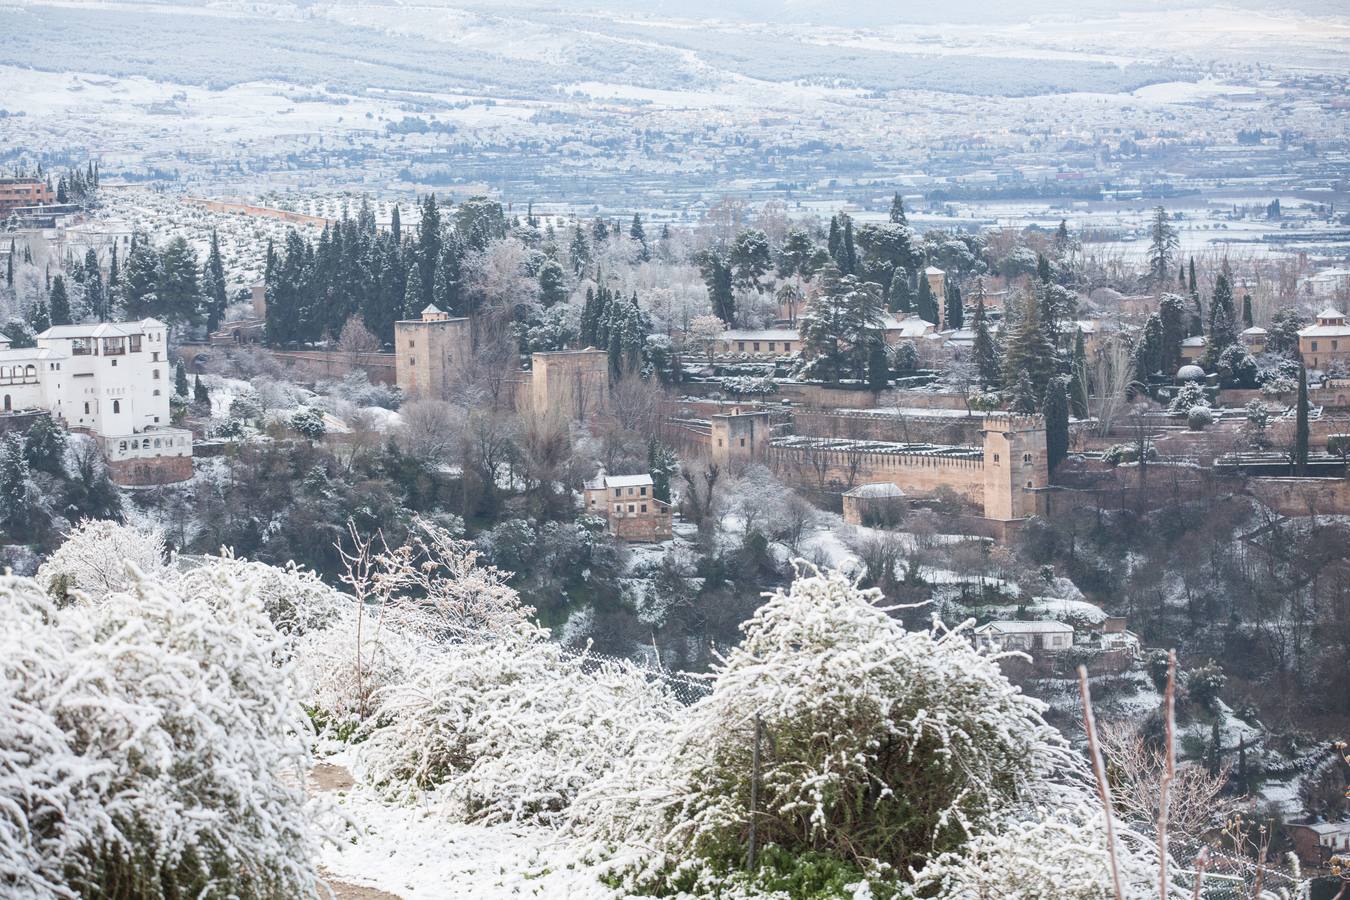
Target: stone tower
x,y
739,438
937,283
1015,465
429,353
573,381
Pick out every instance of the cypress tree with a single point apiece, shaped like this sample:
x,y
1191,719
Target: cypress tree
x,y
413,297
926,306
59,302
39,318
1078,378
16,510
214,276
836,239
180,382
1056,422
199,392
9,268
984,351
579,250
1043,268
956,313
396,225
1301,424
878,369
636,232
849,263
1247,321
1148,354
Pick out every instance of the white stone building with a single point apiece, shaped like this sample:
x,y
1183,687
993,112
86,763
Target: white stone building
x,y
111,380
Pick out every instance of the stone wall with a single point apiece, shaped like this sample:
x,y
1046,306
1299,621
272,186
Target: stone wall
x,y
1303,496
150,472
915,473
879,426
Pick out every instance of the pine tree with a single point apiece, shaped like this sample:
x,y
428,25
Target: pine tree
x,y
1029,353
956,313
1301,424
1162,245
44,446
983,349
114,272
552,283
180,382
39,317
1223,330
179,295
1078,378
1043,268
59,302
897,216
1023,396
1056,422
638,235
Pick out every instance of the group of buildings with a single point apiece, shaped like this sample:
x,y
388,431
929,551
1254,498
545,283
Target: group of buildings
x,y
111,381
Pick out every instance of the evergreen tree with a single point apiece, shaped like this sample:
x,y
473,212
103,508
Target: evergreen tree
x,y
9,268
1173,330
1029,353
1223,330
984,352
579,250
878,368
897,216
1301,424
1148,354
1194,291
1023,396
179,296
926,305
95,297
1162,246
396,226
214,285
16,506
956,313
199,391
428,250
59,302
599,232
39,317
1078,378
639,236
44,446
848,261
552,283
843,322
717,276
1062,238
1056,422
900,298
794,258
114,273
835,240
662,463
413,297
1043,268
180,382
1247,321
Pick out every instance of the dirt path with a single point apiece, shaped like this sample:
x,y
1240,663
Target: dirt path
x,y
328,777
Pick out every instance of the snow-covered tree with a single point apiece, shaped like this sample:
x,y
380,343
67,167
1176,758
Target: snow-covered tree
x,y
93,559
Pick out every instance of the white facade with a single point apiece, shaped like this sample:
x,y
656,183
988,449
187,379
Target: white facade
x,y
109,378
1029,636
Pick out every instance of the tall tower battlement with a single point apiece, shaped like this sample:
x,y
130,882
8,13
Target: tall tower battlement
x,y
429,352
1015,464
738,438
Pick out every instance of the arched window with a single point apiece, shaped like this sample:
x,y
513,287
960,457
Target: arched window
x,y
117,407
30,372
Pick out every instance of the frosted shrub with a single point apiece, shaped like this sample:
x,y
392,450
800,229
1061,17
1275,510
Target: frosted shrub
x,y
882,746
296,600
152,747
1060,855
510,730
94,556
1199,418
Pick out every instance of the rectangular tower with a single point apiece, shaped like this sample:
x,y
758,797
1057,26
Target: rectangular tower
x,y
429,353
1015,465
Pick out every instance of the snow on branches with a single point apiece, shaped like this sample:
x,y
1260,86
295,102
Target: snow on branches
x,y
93,559
151,745
510,730
882,746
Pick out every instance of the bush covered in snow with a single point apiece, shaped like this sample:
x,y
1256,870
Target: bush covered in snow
x,y
511,730
881,747
94,556
295,600
152,747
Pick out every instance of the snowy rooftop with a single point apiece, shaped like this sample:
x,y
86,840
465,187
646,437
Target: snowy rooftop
x,y
879,489
1013,627
909,326
627,480
100,329
28,354
950,451
767,334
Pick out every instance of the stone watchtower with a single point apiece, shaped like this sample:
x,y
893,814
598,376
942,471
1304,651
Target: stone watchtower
x,y
739,438
1015,465
429,352
574,382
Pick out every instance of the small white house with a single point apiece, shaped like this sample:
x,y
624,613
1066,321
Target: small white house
x,y
1028,636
